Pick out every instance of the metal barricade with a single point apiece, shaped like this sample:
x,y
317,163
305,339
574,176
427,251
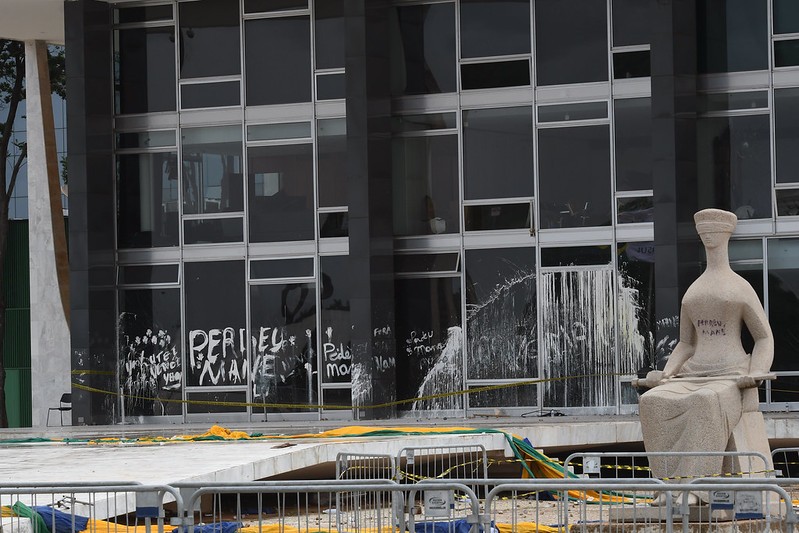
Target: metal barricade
x,y
421,463
786,461
365,466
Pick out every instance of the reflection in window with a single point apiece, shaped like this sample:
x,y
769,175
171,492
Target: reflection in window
x,y
632,210
329,35
147,200
332,162
150,357
576,255
783,303
425,178
145,75
423,49
335,320
497,217
197,95
284,362
278,60
495,74
143,14
213,230
574,174
282,268
632,20
787,202
281,203
633,131
734,164
732,35
209,38
785,16
631,64
786,134
334,224
498,153
571,41
786,53
494,27
212,170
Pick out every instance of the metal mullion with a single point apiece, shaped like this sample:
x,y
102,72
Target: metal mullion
x,y
574,123
427,275
784,36
490,59
498,201
279,142
576,268
144,151
216,215
145,24
426,133
280,281
276,14
333,209
734,113
402,3
328,71
210,79
630,48
644,193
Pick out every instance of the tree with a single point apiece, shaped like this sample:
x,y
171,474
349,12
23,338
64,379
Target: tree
x,y
12,94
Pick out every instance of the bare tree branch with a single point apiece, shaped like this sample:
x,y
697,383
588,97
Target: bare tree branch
x,y
15,171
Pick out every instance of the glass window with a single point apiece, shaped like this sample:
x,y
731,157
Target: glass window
x,y
329,33
786,134
495,27
283,322
710,102
498,153
426,122
633,119
429,342
571,41
335,224
567,112
331,146
212,170
262,6
284,130
575,256
631,64
146,274
783,303
216,337
143,14
146,139
732,35
632,20
281,193
510,396
197,95
145,74
425,180
281,268
501,314
216,402
423,54
785,16
278,60
335,320
787,202
331,86
786,53
497,217
418,263
209,38
495,74
213,230
147,205
150,357
734,164
574,176
639,209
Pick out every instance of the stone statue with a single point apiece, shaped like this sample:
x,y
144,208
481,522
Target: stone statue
x,y
709,384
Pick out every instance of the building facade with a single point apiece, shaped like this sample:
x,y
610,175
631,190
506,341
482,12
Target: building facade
x,y
370,208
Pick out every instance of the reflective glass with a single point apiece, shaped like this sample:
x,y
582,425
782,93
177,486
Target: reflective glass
x,y
145,74
501,314
631,210
331,86
216,402
571,41
574,176
282,268
281,193
423,52
786,134
498,153
278,60
209,38
785,14
285,130
212,170
263,6
497,217
417,263
284,362
143,14
567,112
734,160
631,64
786,53
495,74
709,102
425,181
512,395
197,95
147,200
787,202
333,225
732,35
335,319
146,274
783,302
213,231
329,33
146,139
633,118
494,27
331,139
632,21
426,122
576,256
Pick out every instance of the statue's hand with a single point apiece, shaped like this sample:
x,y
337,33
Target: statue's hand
x,y
653,379
748,382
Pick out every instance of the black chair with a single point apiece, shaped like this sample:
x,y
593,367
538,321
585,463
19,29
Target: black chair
x,y
65,405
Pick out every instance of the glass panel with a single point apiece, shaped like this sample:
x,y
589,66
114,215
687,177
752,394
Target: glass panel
x,y
641,209
212,170
281,193
783,302
196,95
329,25
427,122
134,275
727,101
331,86
785,16
143,14
566,112
282,268
498,153
283,320
746,250
429,342
571,41
425,178
337,397
150,357
209,402
216,337
495,74
335,320
631,64
416,263
732,35
786,53
147,200
146,139
494,27
145,73
278,49
209,38
501,314
787,202
213,230
423,53
512,395
334,225
262,6
576,256
633,119
272,132
632,21
574,174
734,159
783,389
786,133
497,217
331,145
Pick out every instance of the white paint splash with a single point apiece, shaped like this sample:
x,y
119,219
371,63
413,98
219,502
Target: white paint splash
x,y
446,375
